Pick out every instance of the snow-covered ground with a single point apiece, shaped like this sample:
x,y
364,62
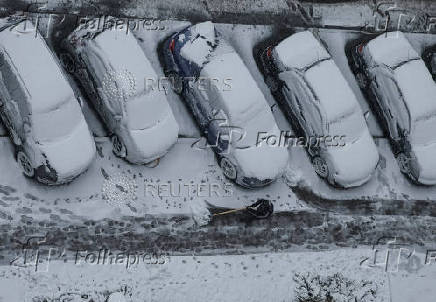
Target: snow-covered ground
x,y
186,165
173,188
185,177
251,277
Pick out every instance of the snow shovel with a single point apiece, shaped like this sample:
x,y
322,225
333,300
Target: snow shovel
x,y
261,209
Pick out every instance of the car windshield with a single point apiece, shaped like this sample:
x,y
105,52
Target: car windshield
x,y
350,126
423,130
58,123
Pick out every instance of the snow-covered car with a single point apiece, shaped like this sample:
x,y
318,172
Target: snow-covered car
x,y
403,94
113,70
429,57
322,107
229,106
40,109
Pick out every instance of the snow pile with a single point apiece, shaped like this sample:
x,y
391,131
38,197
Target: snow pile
x,y
199,47
300,50
200,212
294,177
391,49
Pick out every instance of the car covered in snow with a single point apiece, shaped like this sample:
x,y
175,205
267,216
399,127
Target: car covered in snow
x,y
113,70
403,93
230,113
40,109
429,57
322,107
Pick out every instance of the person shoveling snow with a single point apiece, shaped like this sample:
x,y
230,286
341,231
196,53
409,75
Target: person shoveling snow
x,y
261,209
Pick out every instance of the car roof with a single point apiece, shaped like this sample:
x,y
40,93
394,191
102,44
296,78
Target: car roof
x,y
391,49
331,90
417,87
121,51
244,97
300,50
37,67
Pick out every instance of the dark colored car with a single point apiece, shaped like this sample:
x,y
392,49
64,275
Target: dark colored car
x,y
226,102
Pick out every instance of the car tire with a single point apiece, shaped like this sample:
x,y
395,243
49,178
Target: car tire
x,y
25,164
118,146
321,167
404,163
229,169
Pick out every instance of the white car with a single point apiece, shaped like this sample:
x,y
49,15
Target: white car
x,y
113,70
403,93
319,102
227,104
40,109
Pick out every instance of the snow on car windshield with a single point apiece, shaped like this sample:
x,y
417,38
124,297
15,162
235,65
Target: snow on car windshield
x,y
261,122
417,87
58,123
243,99
202,39
331,89
300,50
391,49
122,56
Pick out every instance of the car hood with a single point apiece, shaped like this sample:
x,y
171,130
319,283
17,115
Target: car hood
x,y
426,159
262,162
354,163
71,155
151,143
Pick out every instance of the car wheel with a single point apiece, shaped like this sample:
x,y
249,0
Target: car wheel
x,y
118,147
361,80
321,167
229,170
271,83
404,163
25,164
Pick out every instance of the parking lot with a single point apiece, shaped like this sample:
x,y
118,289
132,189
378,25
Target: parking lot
x,y
310,214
